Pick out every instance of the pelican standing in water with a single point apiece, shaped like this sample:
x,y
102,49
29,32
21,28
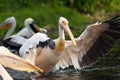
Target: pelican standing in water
x,y
44,52
92,44
16,41
9,60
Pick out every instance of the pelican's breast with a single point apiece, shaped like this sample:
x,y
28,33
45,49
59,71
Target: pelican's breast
x,y
60,45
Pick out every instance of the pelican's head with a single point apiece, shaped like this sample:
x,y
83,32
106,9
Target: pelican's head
x,y
28,21
63,22
9,22
10,19
33,27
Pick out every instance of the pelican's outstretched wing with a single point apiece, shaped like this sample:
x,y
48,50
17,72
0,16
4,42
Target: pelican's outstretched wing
x,y
9,60
93,43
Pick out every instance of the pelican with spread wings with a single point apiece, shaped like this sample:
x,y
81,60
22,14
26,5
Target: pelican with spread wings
x,y
95,41
92,44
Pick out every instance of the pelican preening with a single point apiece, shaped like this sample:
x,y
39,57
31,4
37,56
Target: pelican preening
x,y
9,60
43,52
15,41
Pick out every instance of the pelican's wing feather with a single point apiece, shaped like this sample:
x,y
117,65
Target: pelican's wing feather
x,y
9,60
32,43
18,39
93,43
14,41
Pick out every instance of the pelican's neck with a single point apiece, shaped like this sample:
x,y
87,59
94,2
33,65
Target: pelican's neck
x,y
31,28
10,31
60,44
61,33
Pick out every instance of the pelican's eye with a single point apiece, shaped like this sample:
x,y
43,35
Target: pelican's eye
x,y
63,22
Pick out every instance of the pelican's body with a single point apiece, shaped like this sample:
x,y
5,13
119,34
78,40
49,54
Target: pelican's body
x,y
15,41
9,60
92,44
43,52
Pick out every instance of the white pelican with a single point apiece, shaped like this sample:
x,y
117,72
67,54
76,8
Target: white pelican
x,y
15,41
9,60
43,52
92,44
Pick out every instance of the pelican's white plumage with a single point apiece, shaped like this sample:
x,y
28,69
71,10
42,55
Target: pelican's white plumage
x,y
95,41
43,52
92,44
8,23
31,43
18,39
